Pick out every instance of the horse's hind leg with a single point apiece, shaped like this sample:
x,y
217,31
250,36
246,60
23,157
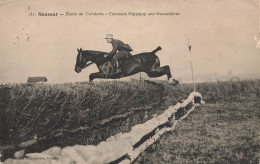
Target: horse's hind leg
x,y
160,71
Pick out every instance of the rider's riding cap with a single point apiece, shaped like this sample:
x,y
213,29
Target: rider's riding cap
x,y
109,36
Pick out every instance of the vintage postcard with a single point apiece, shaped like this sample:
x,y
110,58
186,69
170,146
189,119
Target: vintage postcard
x,y
170,81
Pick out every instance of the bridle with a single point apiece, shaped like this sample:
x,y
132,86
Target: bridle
x,y
86,65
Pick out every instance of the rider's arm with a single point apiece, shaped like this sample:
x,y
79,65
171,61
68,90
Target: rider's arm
x,y
115,47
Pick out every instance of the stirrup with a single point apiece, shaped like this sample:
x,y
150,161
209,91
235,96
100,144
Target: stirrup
x,y
118,70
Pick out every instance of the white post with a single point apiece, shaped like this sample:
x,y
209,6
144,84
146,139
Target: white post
x,y
189,48
257,36
192,76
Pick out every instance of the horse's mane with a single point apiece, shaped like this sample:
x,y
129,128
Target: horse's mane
x,y
94,52
96,56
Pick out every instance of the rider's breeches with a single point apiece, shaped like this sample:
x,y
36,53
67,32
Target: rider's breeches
x,y
121,54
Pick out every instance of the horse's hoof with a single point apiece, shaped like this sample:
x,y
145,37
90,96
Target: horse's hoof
x,y
173,82
176,82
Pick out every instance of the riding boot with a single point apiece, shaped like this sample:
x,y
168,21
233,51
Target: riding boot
x,y
118,70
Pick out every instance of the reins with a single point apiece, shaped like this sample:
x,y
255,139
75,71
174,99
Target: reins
x,y
88,64
105,58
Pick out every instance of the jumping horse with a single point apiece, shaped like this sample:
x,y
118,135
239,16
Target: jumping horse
x,y
146,62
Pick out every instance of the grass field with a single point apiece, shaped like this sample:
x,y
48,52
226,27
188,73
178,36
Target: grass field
x,y
52,112
223,131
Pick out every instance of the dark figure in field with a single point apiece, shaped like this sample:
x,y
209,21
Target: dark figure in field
x,y
144,62
120,50
36,79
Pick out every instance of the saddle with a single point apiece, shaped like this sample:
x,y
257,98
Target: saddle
x,y
119,62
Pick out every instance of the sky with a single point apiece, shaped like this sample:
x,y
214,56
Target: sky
x,y
222,33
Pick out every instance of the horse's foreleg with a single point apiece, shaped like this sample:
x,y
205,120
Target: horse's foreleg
x,y
93,76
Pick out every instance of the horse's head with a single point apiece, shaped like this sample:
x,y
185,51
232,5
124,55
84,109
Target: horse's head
x,y
88,57
82,60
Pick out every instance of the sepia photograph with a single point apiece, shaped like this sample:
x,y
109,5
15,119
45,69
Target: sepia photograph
x,y
117,81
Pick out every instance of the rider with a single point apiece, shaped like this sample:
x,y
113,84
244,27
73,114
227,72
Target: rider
x,y
123,50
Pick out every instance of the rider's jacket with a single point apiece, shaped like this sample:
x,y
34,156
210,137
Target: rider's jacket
x,y
118,45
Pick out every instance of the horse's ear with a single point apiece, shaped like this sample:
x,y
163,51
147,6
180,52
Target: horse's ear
x,y
78,49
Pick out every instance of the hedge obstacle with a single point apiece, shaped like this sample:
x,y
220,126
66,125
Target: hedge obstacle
x,y
121,148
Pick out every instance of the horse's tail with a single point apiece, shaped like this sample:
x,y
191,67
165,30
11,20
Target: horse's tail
x,y
157,49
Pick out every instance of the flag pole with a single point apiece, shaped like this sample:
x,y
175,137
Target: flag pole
x,y
189,47
192,76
